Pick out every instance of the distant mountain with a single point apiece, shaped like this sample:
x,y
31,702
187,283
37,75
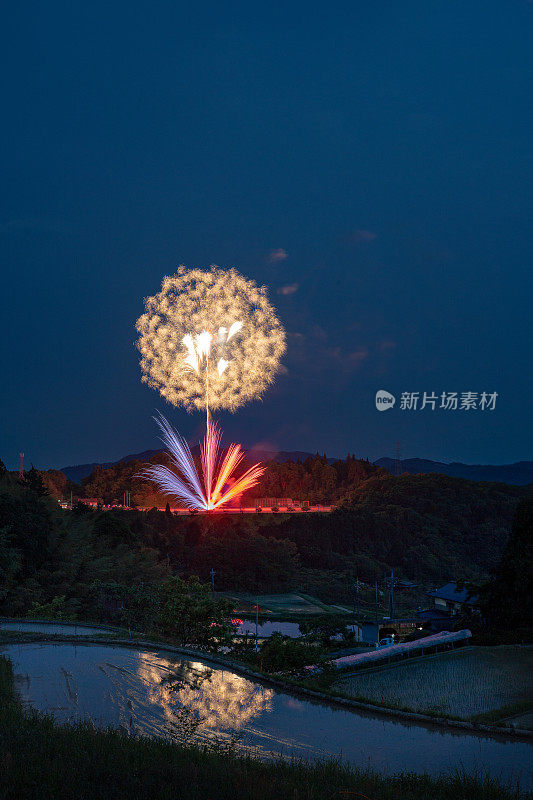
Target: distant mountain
x,y
519,474
77,472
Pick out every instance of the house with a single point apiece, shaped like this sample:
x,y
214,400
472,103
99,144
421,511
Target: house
x,y
374,631
450,598
435,619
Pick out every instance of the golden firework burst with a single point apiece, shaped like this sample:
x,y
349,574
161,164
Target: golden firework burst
x,y
209,338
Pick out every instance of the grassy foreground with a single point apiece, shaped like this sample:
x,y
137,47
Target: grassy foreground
x,y
42,760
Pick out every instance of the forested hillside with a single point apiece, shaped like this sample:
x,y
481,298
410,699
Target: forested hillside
x,y
427,528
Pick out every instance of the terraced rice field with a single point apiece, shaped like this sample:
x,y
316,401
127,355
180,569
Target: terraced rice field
x,y
279,603
465,683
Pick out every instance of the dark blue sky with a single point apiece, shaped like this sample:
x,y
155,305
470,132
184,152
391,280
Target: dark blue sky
x,y
374,157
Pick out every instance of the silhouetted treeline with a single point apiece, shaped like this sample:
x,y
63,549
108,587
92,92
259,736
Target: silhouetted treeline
x,y
313,479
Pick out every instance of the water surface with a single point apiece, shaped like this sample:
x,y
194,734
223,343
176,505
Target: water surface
x,y
64,628
266,629
129,687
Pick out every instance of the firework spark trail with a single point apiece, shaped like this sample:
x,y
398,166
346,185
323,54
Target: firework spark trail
x,y
209,455
250,478
185,484
187,488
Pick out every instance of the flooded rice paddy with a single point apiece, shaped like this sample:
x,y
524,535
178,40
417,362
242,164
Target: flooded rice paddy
x,y
163,694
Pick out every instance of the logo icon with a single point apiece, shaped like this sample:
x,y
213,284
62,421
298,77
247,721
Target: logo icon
x,y
384,400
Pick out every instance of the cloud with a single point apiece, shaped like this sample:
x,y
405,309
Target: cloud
x,y
356,357
386,346
359,236
277,255
291,288
323,354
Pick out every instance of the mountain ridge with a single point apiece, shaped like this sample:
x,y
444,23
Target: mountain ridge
x,y
519,473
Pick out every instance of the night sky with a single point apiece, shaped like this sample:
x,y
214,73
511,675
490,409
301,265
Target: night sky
x,y
370,162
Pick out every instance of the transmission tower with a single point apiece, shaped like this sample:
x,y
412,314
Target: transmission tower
x,y
397,460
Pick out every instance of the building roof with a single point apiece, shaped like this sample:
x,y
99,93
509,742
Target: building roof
x,y
433,613
450,592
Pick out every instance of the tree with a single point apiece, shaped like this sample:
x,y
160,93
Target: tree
x,y
35,482
55,609
28,528
56,483
188,611
323,629
10,563
113,528
282,654
507,600
133,605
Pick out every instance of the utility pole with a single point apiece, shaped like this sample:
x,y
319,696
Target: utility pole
x,y
356,606
256,624
213,573
377,623
356,627
21,470
391,595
